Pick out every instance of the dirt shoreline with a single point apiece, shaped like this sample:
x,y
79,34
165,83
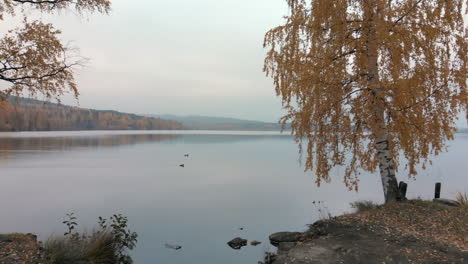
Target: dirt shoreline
x,y
21,249
410,232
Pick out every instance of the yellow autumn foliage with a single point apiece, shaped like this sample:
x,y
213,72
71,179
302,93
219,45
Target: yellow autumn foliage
x,y
33,60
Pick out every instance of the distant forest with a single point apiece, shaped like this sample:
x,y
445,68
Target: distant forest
x,y
222,123
22,114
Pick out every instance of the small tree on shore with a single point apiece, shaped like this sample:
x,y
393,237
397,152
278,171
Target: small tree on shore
x,y
374,78
33,59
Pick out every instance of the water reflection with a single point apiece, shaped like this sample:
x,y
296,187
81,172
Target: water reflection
x,y
13,145
229,181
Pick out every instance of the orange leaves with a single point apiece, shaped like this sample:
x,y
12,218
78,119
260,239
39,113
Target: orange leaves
x,y
33,60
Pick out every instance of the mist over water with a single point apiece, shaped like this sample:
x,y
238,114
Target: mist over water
x,y
230,180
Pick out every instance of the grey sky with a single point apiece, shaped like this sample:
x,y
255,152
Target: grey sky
x,y
202,57
180,57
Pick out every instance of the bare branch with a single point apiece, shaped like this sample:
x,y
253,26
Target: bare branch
x,y
406,13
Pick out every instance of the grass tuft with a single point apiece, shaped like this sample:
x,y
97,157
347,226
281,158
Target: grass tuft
x,y
462,198
101,247
361,206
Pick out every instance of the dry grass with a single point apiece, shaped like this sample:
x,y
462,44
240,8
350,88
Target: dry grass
x,y
98,248
361,206
422,219
462,198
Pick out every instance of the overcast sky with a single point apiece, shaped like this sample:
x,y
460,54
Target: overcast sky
x,y
201,57
184,57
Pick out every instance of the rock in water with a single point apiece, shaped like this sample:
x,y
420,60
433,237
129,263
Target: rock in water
x,y
237,243
255,242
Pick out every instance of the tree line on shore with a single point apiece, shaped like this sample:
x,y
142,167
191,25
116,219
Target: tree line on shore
x,y
21,114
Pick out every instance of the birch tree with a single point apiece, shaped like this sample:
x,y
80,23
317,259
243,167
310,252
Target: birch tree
x,y
378,79
33,59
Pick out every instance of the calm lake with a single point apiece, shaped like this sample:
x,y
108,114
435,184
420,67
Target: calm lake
x,y
230,180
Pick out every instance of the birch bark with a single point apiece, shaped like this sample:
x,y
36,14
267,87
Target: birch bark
x,y
380,130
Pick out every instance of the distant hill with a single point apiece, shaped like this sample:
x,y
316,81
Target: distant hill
x,y
22,114
197,122
220,123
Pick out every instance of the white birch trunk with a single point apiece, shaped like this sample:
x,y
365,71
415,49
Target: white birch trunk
x,y
384,154
387,170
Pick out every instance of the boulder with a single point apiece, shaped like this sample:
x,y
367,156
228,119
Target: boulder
x,y
237,243
281,237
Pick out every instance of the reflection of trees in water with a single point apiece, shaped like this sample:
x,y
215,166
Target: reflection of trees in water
x,y
33,144
14,145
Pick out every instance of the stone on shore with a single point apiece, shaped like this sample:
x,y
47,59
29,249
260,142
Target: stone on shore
x,y
281,237
21,249
398,233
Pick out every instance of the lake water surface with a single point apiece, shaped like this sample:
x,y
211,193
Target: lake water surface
x,y
230,180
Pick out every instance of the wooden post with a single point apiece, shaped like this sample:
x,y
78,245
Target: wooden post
x,y
437,190
403,188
